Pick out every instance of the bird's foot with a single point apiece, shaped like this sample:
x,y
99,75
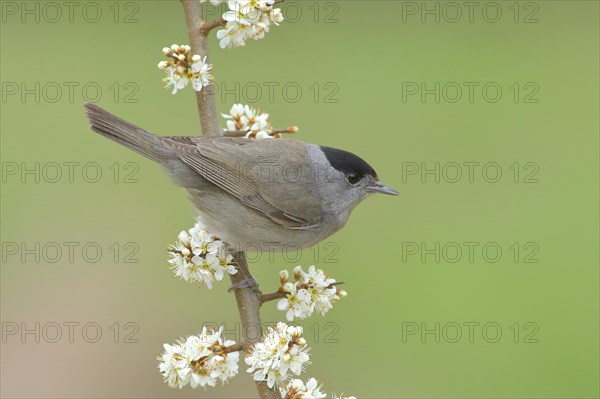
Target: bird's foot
x,y
248,282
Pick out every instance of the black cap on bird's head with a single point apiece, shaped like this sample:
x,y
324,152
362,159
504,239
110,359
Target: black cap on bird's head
x,y
356,169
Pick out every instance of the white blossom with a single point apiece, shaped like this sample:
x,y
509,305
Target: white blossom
x,y
174,79
197,256
234,35
261,135
247,19
282,350
182,68
237,118
245,118
200,75
224,367
296,389
173,367
201,360
316,292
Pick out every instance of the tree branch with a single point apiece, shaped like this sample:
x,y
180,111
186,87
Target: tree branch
x,y
207,107
247,297
248,301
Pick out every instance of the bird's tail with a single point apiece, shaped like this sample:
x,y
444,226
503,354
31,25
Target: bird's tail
x,y
135,138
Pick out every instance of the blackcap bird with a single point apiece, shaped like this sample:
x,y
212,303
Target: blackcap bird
x,y
267,194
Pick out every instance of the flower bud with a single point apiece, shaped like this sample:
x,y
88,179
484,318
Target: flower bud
x,y
297,272
184,238
166,50
283,276
286,357
288,287
291,330
196,58
186,252
342,293
301,341
181,57
163,64
174,47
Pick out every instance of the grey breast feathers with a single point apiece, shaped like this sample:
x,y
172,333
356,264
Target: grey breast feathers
x,y
270,176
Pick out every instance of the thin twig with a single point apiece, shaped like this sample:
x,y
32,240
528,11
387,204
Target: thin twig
x,y
242,133
272,296
206,27
184,63
282,294
234,348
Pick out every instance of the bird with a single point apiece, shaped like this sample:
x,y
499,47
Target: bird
x,y
266,194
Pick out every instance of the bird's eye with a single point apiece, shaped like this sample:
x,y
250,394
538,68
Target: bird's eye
x,y
353,178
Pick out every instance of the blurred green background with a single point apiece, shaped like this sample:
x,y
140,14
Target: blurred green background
x,y
356,64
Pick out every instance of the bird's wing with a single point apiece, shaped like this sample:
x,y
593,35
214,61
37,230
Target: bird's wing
x,y
254,172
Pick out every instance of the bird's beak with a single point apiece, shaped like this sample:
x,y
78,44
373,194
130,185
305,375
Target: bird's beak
x,y
383,189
